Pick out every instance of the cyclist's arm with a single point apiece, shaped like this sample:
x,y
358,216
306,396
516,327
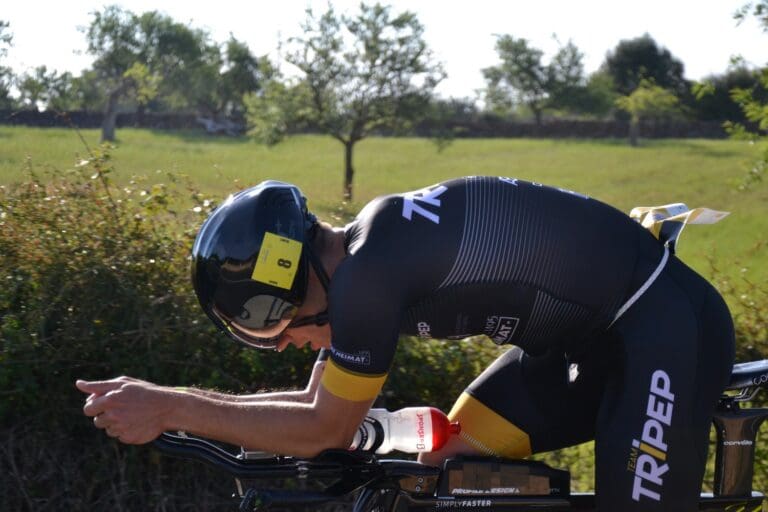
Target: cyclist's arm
x,y
136,412
306,395
290,428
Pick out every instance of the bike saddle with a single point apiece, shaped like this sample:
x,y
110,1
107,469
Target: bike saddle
x,y
749,375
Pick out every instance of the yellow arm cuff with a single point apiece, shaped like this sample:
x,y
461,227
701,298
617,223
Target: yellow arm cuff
x,y
349,385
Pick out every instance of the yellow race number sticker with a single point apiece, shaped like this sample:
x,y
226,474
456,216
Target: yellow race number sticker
x,y
278,261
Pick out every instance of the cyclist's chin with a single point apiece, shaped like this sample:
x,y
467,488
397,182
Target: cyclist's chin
x,y
301,344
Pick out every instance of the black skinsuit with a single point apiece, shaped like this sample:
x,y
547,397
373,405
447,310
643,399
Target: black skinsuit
x,y
546,270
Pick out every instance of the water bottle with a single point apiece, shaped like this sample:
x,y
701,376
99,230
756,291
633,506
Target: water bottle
x,y
410,430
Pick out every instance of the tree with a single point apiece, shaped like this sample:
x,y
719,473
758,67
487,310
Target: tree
x,y
84,93
641,58
114,40
648,101
279,108
361,73
6,75
158,64
6,38
758,9
231,71
753,100
522,78
184,58
599,96
242,74
714,101
39,87
61,91
165,65
565,80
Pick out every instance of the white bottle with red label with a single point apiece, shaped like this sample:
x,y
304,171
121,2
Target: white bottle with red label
x,y
410,430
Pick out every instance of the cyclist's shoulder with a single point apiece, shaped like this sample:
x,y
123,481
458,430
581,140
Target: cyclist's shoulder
x,y
392,224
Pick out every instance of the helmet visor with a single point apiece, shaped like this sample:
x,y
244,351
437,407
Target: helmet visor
x,y
261,321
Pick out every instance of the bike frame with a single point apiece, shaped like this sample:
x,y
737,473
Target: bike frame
x,y
387,485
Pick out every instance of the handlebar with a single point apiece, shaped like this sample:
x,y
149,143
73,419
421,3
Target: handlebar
x,y
328,464
331,476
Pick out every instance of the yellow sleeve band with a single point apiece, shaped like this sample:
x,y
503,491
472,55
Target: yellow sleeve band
x,y
487,431
352,386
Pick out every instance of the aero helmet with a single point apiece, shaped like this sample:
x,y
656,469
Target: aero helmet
x,y
250,263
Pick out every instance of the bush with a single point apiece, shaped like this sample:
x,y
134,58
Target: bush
x,y
95,284
749,305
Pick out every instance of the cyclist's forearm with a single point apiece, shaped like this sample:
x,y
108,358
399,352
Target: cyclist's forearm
x,y
305,396
277,396
297,429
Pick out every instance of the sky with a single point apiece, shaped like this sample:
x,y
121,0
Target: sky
x,y
461,34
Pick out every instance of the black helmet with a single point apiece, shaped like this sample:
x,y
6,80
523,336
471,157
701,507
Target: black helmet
x,y
250,262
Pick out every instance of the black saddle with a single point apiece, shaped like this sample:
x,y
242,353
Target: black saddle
x,y
749,375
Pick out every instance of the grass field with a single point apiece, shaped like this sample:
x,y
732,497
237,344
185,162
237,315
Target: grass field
x,y
697,172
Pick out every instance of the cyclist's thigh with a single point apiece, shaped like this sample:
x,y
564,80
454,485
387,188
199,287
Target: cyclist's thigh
x,y
653,425
523,404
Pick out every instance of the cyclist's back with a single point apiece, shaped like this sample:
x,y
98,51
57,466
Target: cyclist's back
x,y
525,264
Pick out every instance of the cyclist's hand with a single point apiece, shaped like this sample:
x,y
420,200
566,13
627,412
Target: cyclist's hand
x,y
130,410
99,389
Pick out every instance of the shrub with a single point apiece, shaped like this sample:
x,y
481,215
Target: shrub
x,y
95,284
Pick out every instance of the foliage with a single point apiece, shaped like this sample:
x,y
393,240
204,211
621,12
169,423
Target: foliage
x,y
48,89
714,101
755,111
758,9
6,76
96,285
278,109
436,372
242,74
753,102
114,41
372,71
641,58
5,38
174,52
648,101
522,78
197,74
599,96
84,94
749,305
445,119
565,78
155,63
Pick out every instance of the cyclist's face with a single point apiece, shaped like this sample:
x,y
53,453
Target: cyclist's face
x,y
318,336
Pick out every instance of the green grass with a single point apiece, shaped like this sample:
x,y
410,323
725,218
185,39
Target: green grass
x,y
697,172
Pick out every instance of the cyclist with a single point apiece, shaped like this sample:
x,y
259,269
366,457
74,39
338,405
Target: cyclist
x,y
615,339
